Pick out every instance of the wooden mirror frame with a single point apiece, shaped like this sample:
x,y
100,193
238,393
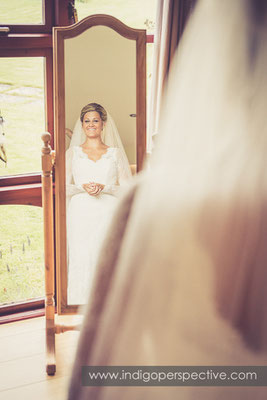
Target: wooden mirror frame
x,y
59,35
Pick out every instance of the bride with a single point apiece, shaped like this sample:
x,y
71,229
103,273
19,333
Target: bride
x,y
96,167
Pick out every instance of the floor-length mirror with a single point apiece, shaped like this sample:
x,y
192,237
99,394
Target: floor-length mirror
x,y
102,61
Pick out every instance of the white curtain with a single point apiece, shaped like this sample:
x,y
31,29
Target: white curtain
x,y
171,18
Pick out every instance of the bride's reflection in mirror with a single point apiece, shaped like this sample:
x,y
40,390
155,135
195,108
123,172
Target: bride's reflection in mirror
x,y
96,168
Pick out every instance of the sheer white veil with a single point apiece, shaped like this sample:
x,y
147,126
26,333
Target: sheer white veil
x,y
192,264
110,137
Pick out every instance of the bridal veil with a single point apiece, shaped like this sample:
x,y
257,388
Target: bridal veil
x,y
188,283
110,137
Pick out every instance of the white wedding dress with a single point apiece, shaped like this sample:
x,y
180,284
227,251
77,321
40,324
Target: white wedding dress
x,y
88,216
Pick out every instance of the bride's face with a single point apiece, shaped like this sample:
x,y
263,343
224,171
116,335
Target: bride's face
x,y
92,124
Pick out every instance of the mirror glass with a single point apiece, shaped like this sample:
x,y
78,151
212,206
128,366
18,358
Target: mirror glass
x,y
95,72
95,65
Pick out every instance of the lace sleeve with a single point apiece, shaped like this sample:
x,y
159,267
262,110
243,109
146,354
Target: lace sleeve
x,y
124,174
123,168
71,188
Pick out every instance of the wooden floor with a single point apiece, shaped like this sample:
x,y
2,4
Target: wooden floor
x,y
22,361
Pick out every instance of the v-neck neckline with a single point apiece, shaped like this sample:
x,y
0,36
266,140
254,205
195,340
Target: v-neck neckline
x,y
94,161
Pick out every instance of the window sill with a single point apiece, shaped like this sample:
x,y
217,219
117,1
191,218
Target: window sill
x,y
29,41
15,180
22,310
21,316
30,194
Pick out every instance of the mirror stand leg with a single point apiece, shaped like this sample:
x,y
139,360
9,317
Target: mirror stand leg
x,y
50,336
47,203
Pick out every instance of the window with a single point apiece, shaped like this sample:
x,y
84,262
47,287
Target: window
x,y
21,253
23,110
138,14
29,16
27,12
26,103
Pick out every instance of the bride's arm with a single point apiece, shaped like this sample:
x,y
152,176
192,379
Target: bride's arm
x,y
71,189
124,173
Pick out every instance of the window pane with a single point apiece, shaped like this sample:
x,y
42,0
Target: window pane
x,y
21,253
23,110
134,13
22,12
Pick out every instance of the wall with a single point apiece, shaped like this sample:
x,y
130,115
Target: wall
x,y
100,66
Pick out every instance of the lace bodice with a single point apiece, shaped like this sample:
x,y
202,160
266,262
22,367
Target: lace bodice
x,y
108,170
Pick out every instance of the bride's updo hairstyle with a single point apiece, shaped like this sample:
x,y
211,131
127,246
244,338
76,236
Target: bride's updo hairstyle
x,y
94,107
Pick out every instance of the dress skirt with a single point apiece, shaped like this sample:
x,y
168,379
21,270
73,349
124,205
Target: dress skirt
x,y
87,220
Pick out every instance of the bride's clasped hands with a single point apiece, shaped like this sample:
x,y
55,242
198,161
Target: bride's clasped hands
x,y
93,188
